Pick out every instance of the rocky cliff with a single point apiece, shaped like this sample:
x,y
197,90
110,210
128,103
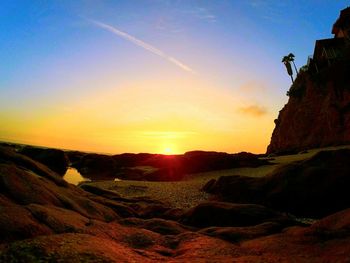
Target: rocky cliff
x,y
317,113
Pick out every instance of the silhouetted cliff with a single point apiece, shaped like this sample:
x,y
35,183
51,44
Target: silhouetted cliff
x,y
317,113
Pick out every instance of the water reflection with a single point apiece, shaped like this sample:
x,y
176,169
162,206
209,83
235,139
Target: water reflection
x,y
74,177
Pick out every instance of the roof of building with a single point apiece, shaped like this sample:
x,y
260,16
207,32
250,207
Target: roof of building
x,y
327,43
342,21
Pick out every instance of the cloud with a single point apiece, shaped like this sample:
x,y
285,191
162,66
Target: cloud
x,y
257,3
252,86
269,10
142,44
202,14
253,110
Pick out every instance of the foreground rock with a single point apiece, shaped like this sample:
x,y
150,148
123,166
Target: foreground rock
x,y
226,214
315,187
55,159
44,219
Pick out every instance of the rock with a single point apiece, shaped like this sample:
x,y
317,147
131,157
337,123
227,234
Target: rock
x,y
73,248
312,188
238,234
208,187
337,224
151,210
26,182
74,157
201,161
139,241
17,223
227,214
9,156
164,227
99,191
174,214
315,187
55,159
238,189
317,113
58,219
97,166
158,167
325,241
158,225
45,220
122,209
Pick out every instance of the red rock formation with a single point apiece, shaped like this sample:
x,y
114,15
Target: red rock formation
x,y
317,113
44,219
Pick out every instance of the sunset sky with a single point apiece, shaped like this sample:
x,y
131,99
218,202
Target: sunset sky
x,y
153,76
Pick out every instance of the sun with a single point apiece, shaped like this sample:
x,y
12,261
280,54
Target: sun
x,y
168,150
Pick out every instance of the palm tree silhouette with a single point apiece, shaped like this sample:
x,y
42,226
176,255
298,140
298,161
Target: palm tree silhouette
x,y
286,62
291,59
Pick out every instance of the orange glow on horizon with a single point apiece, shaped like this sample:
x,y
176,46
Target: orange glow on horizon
x,y
168,151
163,116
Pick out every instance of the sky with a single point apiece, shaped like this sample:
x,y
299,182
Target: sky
x,y
154,76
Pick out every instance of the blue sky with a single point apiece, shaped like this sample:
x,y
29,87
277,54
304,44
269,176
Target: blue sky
x,y
56,61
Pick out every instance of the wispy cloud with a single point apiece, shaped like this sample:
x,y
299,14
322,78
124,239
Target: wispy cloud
x,y
257,3
251,87
202,14
253,110
142,44
269,10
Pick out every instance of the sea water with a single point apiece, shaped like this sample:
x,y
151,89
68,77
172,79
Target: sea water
x,y
72,176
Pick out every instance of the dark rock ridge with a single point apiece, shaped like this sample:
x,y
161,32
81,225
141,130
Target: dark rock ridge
x,y
55,159
315,187
226,214
163,167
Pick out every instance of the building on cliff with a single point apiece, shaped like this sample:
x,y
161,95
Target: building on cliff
x,y
318,110
328,51
341,28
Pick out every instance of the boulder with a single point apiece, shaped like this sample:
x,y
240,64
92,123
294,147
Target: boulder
x,y
315,187
26,182
58,219
18,223
228,214
158,225
238,234
73,248
100,191
97,166
55,159
327,240
202,161
9,156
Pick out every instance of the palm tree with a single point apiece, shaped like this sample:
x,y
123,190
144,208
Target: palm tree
x,y
291,59
286,62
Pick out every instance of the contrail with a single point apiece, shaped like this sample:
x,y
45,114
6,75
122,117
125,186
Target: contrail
x,y
142,44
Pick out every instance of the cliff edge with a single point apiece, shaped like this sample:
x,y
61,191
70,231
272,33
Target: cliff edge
x,y
318,111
